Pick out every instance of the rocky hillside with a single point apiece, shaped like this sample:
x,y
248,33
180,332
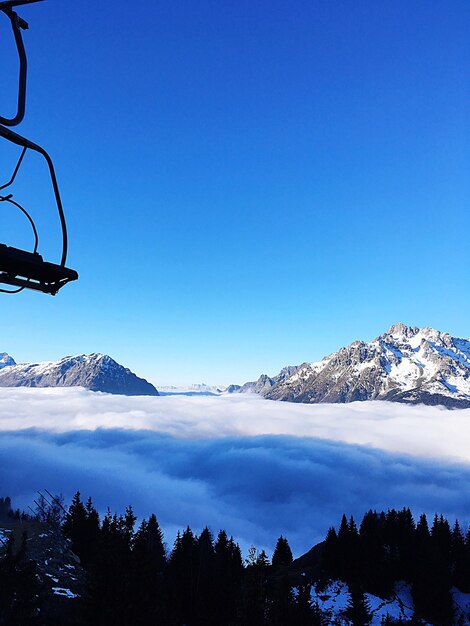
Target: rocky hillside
x,y
97,372
48,575
264,384
405,364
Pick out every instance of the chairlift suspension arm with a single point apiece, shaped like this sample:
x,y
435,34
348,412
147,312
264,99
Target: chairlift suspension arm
x,y
17,139
17,24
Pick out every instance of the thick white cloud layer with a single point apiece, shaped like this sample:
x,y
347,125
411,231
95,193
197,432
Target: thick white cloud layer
x,y
418,430
254,467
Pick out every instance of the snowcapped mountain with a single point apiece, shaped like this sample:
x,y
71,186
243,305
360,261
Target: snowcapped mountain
x,y
197,389
97,372
405,364
5,360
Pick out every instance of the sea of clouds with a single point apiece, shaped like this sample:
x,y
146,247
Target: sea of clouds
x,y
254,467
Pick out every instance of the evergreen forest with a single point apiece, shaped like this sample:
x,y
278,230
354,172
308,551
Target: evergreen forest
x,y
132,578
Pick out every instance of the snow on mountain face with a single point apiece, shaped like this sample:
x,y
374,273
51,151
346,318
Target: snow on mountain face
x,y
405,364
6,360
97,372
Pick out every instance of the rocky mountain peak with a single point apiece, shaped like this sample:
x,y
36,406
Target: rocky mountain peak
x,y
96,371
405,364
6,360
402,330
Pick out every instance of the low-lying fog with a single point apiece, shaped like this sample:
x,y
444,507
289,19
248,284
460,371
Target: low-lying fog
x,y
254,467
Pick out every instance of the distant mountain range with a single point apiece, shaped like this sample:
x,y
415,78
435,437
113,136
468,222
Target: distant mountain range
x,y
198,389
97,372
405,364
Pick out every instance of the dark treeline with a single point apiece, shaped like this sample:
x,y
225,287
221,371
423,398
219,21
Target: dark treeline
x,y
388,547
133,579
7,512
202,581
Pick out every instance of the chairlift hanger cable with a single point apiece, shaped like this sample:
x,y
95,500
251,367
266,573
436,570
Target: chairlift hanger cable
x,y
17,267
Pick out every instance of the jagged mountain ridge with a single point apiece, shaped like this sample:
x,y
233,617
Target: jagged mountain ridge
x,y
265,383
405,364
97,372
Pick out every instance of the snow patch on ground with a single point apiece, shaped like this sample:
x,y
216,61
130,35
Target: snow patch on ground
x,y
334,599
62,591
462,605
53,578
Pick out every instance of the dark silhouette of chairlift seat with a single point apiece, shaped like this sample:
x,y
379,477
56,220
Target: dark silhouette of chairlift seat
x,y
20,268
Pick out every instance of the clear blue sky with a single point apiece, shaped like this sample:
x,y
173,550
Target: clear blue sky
x,y
247,184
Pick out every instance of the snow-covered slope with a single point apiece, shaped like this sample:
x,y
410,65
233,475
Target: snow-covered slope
x,y
333,600
97,372
5,360
405,364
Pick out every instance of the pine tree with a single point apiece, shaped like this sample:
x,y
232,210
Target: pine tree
x,y
5,507
305,612
282,554
111,570
405,544
432,573
262,560
182,573
76,528
374,571
148,566
228,572
204,588
255,598
331,555
358,609
348,543
303,604
460,571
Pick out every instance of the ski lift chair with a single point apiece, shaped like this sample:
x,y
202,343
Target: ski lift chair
x,y
20,268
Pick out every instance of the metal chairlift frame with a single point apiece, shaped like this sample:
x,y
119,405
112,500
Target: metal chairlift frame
x,y
19,268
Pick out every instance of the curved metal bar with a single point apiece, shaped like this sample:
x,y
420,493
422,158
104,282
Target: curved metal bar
x,y
17,23
17,139
15,172
9,199
13,290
